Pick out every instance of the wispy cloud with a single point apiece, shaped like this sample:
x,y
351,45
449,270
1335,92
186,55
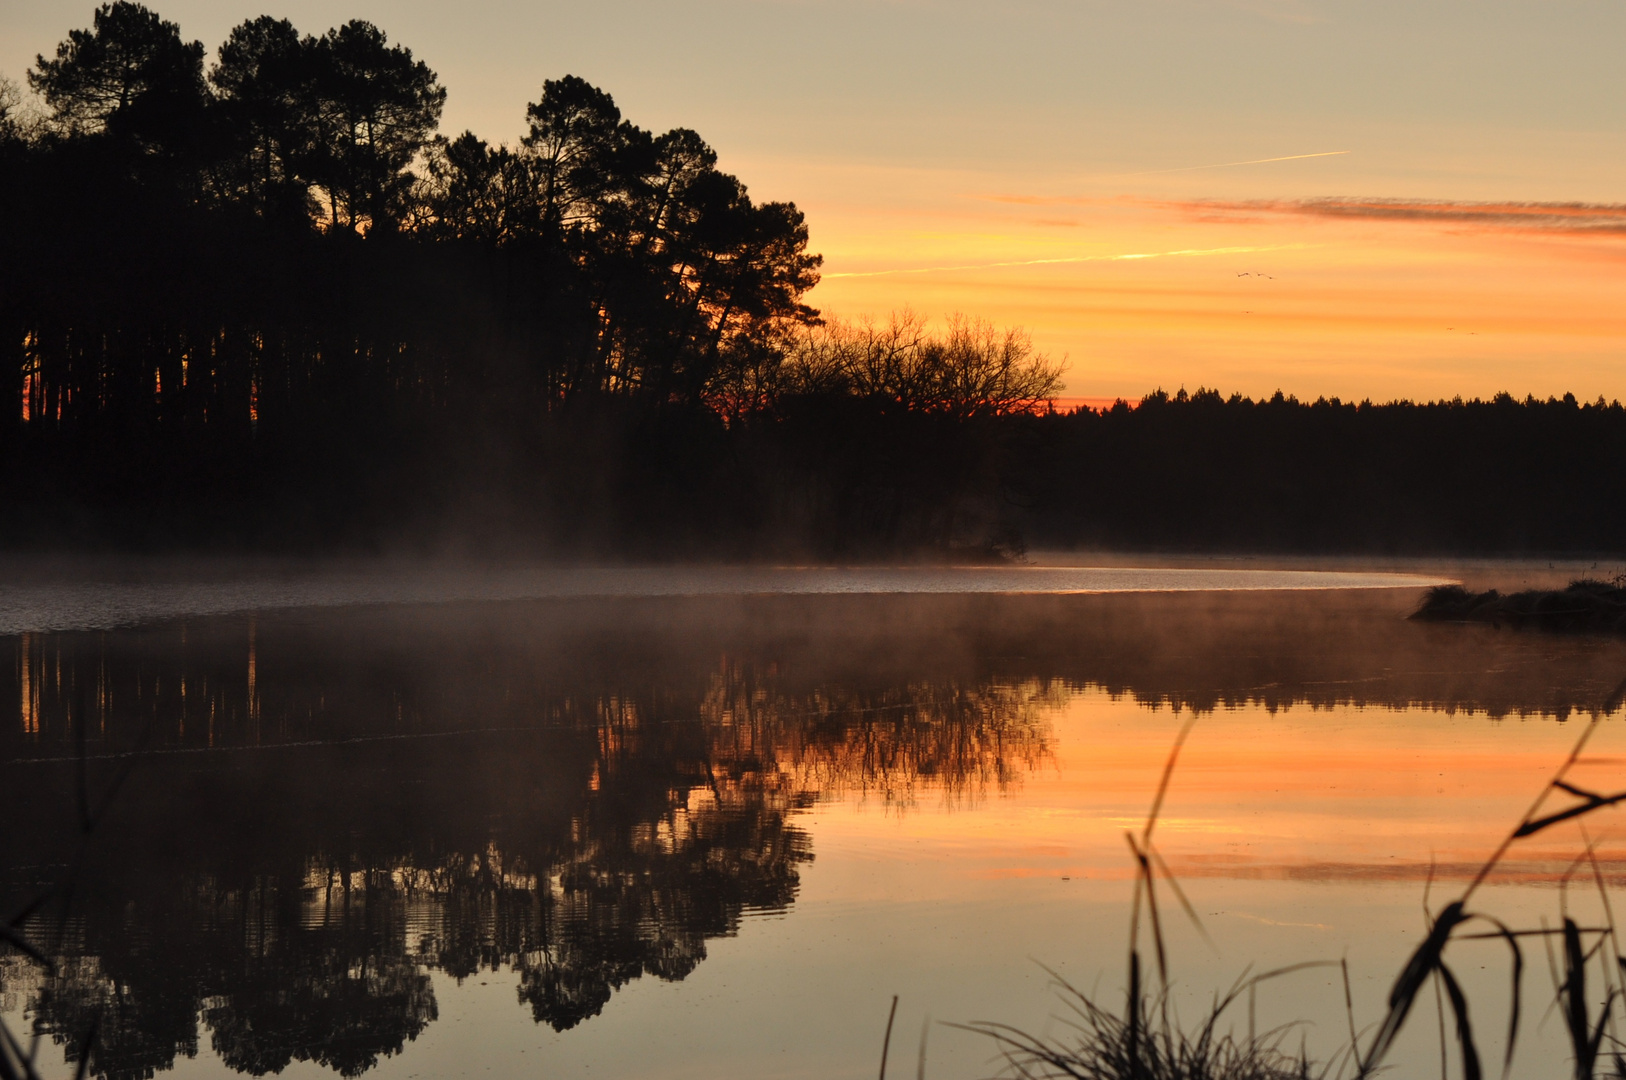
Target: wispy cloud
x,y
1234,164
1566,217
1123,257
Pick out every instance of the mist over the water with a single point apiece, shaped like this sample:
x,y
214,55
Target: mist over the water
x,y
334,824
173,591
540,601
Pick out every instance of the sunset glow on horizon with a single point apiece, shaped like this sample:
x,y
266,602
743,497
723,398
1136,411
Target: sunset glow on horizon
x,y
1356,298
1326,198
656,540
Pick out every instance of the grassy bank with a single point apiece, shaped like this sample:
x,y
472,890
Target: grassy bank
x,y
1586,606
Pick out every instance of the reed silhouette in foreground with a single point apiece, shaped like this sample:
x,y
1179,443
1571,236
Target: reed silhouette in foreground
x,y
1581,945
1144,1043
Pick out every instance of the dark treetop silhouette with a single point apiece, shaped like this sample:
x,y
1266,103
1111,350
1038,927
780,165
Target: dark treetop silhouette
x,y
267,304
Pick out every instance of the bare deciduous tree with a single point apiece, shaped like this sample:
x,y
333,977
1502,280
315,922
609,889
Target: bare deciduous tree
x,y
11,101
970,369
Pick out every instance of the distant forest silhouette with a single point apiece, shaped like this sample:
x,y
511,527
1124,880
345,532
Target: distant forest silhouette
x,y
260,301
1200,471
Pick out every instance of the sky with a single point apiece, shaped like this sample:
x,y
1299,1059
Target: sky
x,y
1365,199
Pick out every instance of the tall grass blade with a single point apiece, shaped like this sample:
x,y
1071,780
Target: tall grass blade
x,y
886,1042
12,1058
1144,868
1439,1016
1529,815
1303,965
1465,1028
1410,982
1157,929
1574,994
1612,936
1530,828
1163,784
8,1069
1180,895
1349,1008
1134,907
1597,1033
1252,999
1132,1017
1512,938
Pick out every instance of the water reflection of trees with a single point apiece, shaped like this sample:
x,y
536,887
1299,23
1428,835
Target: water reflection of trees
x,y
316,943
962,738
311,834
327,813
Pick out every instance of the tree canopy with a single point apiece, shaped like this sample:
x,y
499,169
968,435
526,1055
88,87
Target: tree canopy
x,y
269,278
130,75
646,269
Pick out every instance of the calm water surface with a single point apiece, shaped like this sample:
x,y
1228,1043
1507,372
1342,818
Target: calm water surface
x,y
31,601
712,833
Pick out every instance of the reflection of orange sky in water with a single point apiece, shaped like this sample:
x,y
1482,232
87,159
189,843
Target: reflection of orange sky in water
x,y
1303,835
1362,299
1338,796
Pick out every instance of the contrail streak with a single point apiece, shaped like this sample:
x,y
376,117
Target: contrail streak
x,y
1074,259
1255,161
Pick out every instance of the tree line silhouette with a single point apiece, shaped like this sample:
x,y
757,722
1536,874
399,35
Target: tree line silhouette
x,y
258,300
261,300
1203,472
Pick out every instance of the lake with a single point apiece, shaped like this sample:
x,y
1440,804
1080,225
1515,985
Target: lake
x,y
644,823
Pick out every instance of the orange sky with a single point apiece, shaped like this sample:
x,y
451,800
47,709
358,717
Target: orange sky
x,y
1358,298
1055,138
